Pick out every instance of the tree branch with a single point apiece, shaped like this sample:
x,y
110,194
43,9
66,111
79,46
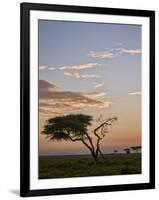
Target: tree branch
x,y
90,140
80,139
108,122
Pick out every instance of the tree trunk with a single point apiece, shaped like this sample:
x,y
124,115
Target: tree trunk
x,y
95,157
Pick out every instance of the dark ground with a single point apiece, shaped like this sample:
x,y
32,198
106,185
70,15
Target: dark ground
x,y
83,165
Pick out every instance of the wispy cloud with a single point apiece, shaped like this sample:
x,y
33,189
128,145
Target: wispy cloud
x,y
131,51
81,66
45,85
46,111
97,85
95,94
112,53
71,101
135,93
101,54
51,68
78,75
52,101
42,67
72,74
45,67
89,76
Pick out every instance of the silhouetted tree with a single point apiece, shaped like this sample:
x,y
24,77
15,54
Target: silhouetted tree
x,y
115,151
75,128
127,151
137,149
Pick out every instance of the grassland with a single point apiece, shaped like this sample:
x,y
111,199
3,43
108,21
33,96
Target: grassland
x,y
83,165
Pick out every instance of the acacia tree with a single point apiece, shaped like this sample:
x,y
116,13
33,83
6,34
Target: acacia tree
x,y
75,128
137,149
127,151
115,151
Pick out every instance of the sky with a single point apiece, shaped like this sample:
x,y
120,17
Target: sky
x,y
95,69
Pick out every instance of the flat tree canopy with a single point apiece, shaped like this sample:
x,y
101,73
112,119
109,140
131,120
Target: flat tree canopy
x,y
67,127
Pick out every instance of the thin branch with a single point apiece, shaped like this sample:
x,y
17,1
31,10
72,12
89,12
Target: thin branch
x,y
90,140
110,120
80,139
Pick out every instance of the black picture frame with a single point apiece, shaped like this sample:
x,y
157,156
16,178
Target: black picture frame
x,y
25,9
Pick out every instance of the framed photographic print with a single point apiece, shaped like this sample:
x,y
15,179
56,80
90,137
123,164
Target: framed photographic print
x,y
87,99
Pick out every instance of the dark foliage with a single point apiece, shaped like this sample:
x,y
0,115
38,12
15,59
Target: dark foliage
x,y
67,127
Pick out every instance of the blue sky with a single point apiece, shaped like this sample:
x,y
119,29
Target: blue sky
x,y
100,61
69,43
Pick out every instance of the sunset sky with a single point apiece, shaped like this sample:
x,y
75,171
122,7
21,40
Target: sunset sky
x,y
93,69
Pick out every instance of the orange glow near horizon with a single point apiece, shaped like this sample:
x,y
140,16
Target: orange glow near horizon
x,y
126,132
